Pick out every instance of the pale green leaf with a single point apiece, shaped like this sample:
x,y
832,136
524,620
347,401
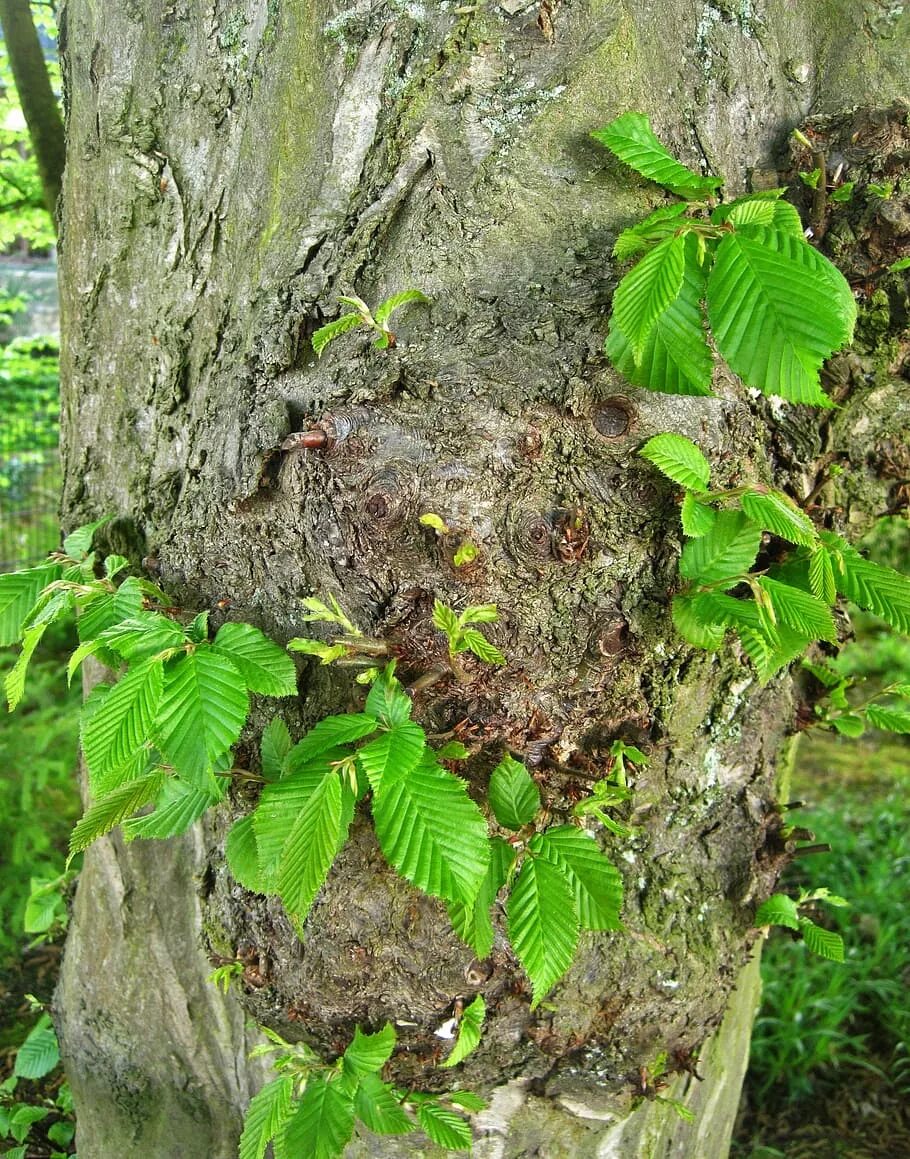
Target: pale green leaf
x,y
39,1054
19,591
821,575
378,1109
764,209
726,552
778,910
444,618
631,138
203,709
475,642
387,701
799,611
697,518
325,334
468,1100
775,512
384,310
543,924
849,725
647,290
88,648
453,750
825,943
110,810
368,1053
267,1113
660,224
872,586
322,1122
310,848
679,459
242,853
479,614
432,832
120,728
177,807
14,685
595,881
445,1128
392,754
513,795
114,565
472,922
889,719
431,519
470,1028
327,653
266,668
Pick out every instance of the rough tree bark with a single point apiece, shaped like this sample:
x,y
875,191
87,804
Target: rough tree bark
x,y
232,167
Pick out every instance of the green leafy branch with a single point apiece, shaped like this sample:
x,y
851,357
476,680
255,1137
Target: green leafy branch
x,y
747,260
375,320
613,791
887,708
781,910
314,1108
462,636
779,610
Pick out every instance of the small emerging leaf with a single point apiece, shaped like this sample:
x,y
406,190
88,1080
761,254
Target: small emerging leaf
x,y
469,1032
513,795
679,459
326,334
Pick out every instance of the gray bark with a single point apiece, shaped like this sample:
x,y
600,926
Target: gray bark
x,y
231,169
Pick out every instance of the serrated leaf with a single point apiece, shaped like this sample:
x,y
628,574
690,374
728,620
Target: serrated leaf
x,y
631,139
647,290
110,810
310,848
472,922
513,795
778,910
39,1054
689,620
824,675
799,610
660,224
444,618
780,515
453,750
383,311
325,334
773,285
764,209
266,668
14,685
274,746
595,881
119,729
825,943
676,358
821,575
143,636
243,860
328,734
279,804
267,1113
432,832
889,719
327,653
368,1053
445,1128
88,648
114,565
849,725
543,924
21,1121
19,591
468,1100
79,541
203,709
479,614
475,642
469,1032
392,754
105,611
177,807
725,553
873,587
679,459
322,1123
378,1109
697,518
387,701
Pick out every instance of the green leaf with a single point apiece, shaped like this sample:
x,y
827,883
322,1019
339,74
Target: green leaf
x,y
775,512
776,313
105,611
765,209
453,750
378,1109
647,290
328,733
177,807
872,586
327,653
697,518
114,565
266,668
889,719
595,881
513,795
432,832
383,311
543,924
900,264
368,1053
799,611
679,459
632,140
445,1128
660,224
323,1122
19,591
849,725
778,910
689,619
119,729
469,1032
110,810
821,575
825,943
310,848
202,711
267,1113
243,860
444,618
474,642
479,614
274,746
79,542
325,334
143,636
39,1054
279,804
21,1122
14,685
438,524
726,552
676,358
468,1100
387,701
393,754
472,922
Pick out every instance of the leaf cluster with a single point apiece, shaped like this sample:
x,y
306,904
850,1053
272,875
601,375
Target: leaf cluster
x,y
462,636
375,320
775,306
887,709
781,910
36,1058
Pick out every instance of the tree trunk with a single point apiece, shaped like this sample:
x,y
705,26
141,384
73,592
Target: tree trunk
x,y
232,168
